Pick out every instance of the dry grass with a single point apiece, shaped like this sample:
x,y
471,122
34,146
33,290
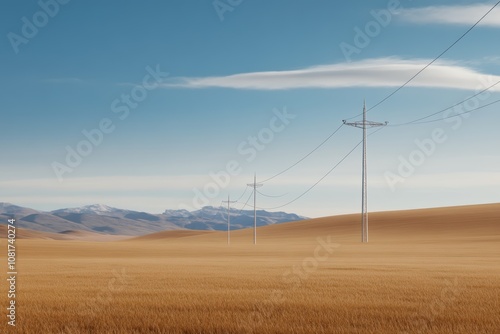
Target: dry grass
x,y
429,271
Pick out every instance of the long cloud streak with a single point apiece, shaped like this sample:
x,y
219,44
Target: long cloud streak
x,y
457,15
381,72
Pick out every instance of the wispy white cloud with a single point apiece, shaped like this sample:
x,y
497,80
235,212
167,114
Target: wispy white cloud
x,y
458,15
380,72
106,183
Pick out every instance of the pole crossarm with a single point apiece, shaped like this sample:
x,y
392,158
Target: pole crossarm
x,y
255,185
366,124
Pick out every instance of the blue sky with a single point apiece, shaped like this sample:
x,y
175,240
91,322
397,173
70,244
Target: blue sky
x,y
231,70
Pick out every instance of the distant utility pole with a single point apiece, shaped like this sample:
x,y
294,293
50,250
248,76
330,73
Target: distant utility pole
x,y
364,210
255,185
228,218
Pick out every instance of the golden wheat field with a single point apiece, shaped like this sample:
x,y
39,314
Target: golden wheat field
x,y
423,271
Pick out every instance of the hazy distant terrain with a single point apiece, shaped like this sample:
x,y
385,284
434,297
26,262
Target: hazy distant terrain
x,y
107,220
423,271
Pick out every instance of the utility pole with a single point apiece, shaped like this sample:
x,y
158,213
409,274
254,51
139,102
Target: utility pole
x,y
364,205
228,218
255,185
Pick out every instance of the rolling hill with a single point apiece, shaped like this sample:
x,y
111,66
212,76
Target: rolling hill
x,y
391,226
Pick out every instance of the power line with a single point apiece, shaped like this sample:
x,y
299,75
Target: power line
x,y
459,114
323,177
416,121
352,150
272,196
244,192
432,62
306,156
315,184
373,107
239,213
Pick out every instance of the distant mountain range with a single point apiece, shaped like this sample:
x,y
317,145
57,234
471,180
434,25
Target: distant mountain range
x,y
107,220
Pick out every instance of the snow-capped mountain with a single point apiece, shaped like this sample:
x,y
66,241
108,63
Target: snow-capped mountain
x,y
98,209
215,218
177,213
105,219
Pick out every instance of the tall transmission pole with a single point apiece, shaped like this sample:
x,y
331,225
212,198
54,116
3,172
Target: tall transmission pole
x,y
255,185
364,124
228,218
